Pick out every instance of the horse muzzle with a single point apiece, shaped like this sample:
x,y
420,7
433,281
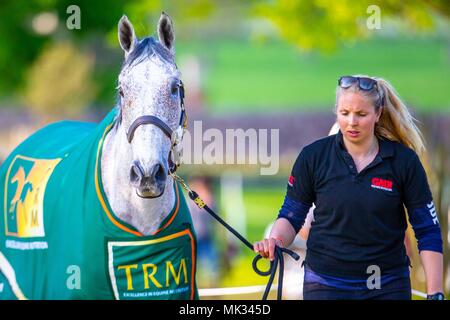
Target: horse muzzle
x,y
148,183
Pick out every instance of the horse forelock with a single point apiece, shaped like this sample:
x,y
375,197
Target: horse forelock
x,y
148,48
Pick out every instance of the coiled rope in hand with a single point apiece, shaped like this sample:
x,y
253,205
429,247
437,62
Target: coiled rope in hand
x,y
278,254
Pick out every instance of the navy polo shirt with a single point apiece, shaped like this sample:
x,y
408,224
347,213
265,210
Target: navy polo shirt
x,y
359,219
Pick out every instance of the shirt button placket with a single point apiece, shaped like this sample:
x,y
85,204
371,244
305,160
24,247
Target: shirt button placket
x,y
353,172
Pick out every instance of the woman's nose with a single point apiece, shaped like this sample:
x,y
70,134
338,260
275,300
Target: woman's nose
x,y
353,120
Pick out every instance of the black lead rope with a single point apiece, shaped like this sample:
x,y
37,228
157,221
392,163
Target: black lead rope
x,y
278,254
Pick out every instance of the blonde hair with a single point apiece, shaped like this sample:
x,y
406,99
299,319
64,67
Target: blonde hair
x,y
396,122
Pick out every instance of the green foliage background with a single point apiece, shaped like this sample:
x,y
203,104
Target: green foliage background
x,y
255,55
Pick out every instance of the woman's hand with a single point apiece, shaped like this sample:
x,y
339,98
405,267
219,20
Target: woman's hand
x,y
266,247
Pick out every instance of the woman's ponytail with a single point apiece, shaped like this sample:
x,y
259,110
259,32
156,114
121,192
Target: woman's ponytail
x,y
396,122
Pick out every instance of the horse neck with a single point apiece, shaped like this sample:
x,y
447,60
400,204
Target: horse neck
x,y
145,215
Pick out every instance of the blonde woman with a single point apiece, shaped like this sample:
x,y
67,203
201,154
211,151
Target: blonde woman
x,y
360,181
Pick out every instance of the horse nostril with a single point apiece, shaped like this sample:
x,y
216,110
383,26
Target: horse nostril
x,y
158,173
136,173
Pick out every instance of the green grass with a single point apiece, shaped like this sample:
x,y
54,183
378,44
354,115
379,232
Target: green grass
x,y
262,206
274,76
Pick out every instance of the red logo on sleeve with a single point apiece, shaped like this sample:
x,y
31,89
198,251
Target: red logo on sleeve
x,y
382,184
291,181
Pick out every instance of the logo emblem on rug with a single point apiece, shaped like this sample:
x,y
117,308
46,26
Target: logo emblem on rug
x,y
155,268
25,185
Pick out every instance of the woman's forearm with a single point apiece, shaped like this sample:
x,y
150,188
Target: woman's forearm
x,y
283,230
432,263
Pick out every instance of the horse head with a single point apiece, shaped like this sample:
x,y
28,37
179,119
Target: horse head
x,y
150,105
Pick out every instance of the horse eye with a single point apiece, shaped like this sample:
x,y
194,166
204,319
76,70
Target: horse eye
x,y
174,88
121,92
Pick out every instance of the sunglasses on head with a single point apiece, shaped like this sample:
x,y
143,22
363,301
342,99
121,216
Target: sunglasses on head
x,y
364,83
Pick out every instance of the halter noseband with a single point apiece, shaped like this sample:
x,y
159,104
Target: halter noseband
x,y
149,120
175,136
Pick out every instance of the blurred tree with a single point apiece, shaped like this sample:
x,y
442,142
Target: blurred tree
x,y
192,18
59,82
22,43
18,45
324,24
309,24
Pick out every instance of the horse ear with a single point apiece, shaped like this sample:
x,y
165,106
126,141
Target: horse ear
x,y
127,38
166,33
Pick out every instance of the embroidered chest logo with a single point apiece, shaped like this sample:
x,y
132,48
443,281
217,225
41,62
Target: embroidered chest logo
x,y
382,184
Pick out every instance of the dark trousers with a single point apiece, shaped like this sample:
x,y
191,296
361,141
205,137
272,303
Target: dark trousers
x,y
399,289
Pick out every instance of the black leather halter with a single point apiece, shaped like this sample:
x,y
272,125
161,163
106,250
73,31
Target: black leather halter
x,y
149,119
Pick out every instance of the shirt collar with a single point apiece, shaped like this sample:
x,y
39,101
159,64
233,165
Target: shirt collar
x,y
386,147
